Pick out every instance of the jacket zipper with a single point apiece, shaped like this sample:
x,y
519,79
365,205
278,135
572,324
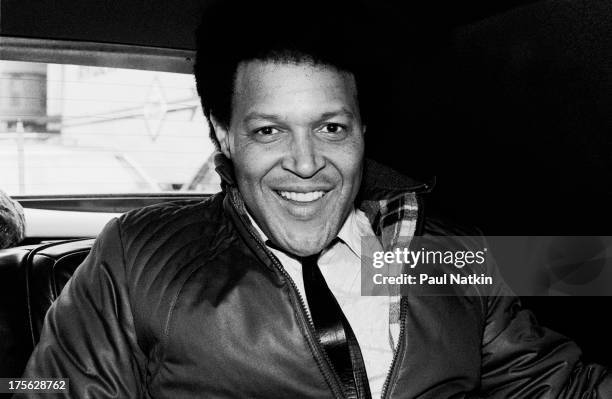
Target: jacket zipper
x,y
404,307
320,355
400,349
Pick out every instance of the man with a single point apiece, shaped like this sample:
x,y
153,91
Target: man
x,y
255,292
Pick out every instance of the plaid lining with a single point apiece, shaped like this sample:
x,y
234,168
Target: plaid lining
x,y
394,223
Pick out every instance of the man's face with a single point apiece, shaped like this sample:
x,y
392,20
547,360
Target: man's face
x,y
296,142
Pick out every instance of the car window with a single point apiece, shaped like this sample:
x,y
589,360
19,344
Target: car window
x,y
74,129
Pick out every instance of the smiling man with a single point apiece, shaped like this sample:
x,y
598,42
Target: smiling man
x,y
255,292
296,141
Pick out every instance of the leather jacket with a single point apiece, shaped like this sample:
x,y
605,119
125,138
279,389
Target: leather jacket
x,y
182,300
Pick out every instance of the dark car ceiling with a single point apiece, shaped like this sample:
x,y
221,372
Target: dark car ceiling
x,y
161,23
156,23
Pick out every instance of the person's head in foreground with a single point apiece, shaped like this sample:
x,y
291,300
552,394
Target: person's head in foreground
x,y
284,99
12,221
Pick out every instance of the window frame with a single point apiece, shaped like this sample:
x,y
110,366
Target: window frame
x,y
98,54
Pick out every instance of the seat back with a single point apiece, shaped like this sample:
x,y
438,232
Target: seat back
x,y
47,270
15,345
31,278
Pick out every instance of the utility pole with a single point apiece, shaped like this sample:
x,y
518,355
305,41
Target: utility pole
x,y
20,156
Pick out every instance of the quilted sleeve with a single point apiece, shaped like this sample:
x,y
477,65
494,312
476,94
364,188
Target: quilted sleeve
x,y
88,334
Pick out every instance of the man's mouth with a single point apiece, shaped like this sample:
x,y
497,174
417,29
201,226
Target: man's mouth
x,y
309,196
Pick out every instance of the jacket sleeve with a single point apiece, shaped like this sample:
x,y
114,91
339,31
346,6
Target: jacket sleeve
x,y
521,359
88,335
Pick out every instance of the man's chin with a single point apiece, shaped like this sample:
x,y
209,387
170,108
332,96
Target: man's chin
x,y
303,247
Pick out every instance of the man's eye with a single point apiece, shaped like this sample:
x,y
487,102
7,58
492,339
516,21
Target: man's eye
x,y
333,128
266,131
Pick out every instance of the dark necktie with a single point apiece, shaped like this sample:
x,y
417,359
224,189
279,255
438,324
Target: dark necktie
x,y
334,331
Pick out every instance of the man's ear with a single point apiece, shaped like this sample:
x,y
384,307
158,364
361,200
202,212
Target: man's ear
x,y
223,137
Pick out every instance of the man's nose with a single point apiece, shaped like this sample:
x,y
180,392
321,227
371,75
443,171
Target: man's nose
x,y
304,159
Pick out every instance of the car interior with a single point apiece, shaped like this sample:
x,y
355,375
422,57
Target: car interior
x,y
506,103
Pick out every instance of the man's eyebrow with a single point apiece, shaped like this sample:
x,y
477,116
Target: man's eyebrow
x,y
341,112
261,116
273,117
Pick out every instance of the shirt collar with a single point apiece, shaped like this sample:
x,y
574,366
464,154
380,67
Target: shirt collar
x,y
350,233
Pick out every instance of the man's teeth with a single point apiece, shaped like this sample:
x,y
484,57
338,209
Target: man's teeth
x,y
302,197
